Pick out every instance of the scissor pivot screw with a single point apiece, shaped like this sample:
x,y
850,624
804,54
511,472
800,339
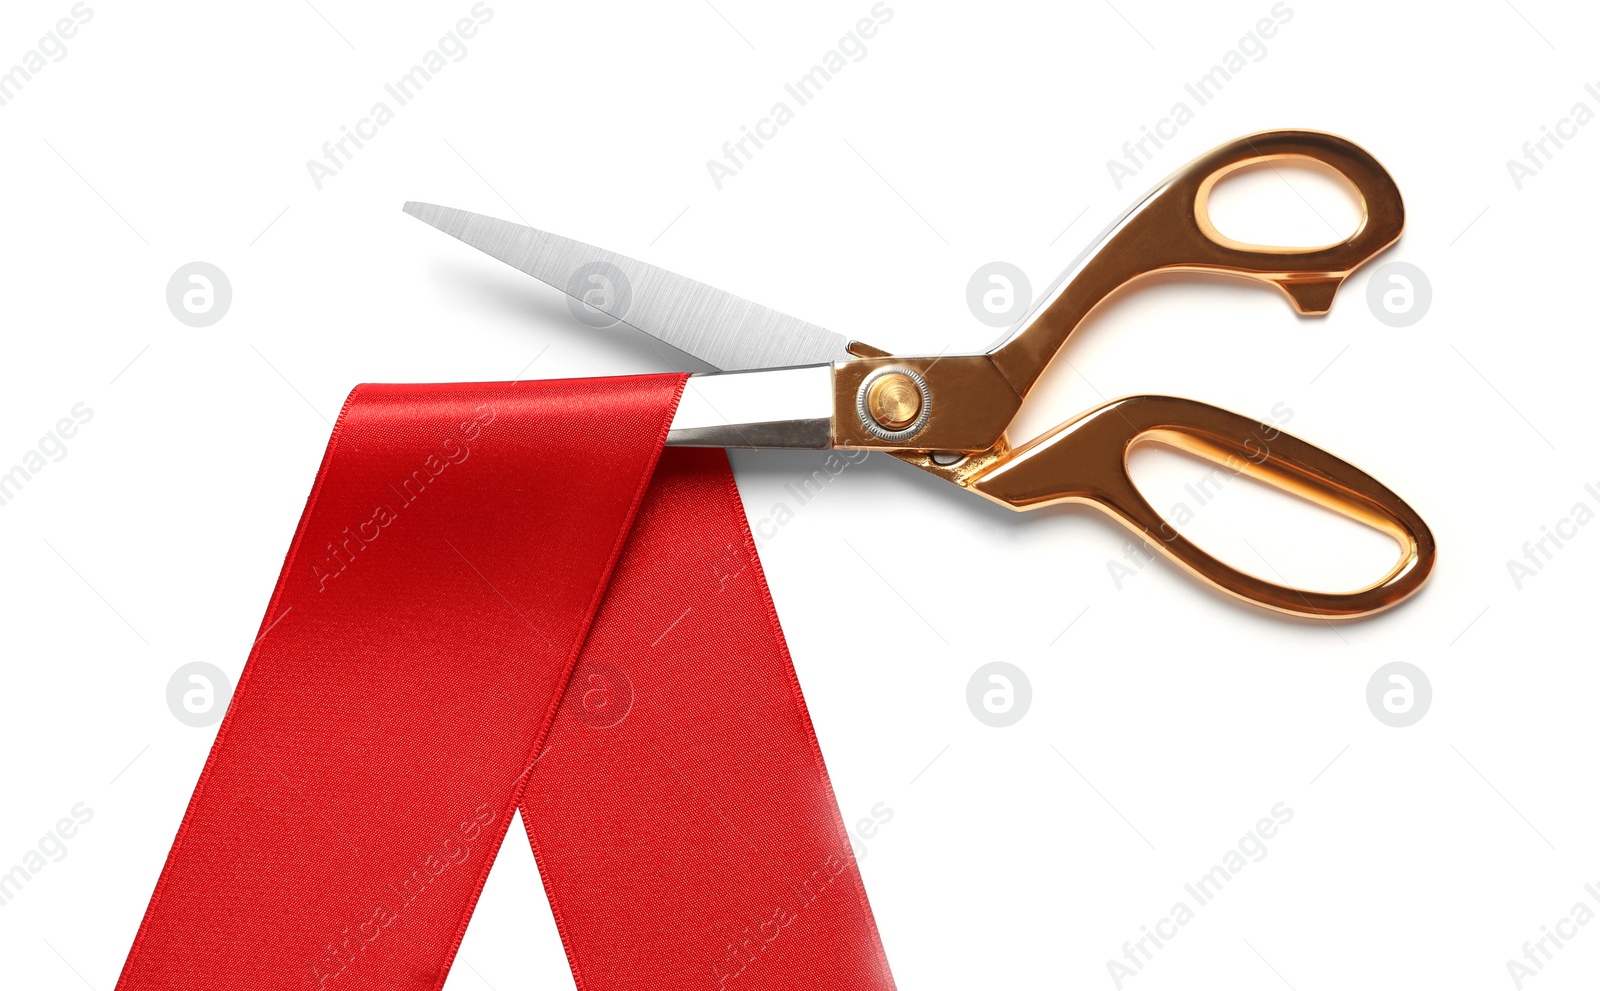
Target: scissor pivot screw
x,y
893,403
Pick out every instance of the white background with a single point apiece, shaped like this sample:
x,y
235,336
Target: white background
x,y
1164,722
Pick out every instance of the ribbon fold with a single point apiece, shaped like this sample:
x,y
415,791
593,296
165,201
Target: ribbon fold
x,y
505,595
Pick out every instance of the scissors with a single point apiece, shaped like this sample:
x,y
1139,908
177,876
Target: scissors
x,y
786,383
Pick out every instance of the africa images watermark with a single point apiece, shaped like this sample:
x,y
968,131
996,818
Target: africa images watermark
x,y
344,549
1538,153
1252,47
1554,537
51,849
337,154
735,560
1251,849
1553,938
850,48
352,941
1138,553
51,48
757,937
52,448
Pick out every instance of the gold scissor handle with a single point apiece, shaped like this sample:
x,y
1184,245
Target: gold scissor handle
x,y
1171,230
1086,461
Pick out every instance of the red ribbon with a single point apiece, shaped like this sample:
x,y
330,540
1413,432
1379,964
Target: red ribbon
x,y
507,595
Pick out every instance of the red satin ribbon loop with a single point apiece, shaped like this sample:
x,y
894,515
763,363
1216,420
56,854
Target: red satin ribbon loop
x,y
500,595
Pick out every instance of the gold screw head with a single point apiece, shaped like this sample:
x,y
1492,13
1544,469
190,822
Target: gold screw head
x,y
894,401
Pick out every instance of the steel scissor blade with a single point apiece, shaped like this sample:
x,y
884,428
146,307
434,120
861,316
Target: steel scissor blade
x,y
717,327
768,407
